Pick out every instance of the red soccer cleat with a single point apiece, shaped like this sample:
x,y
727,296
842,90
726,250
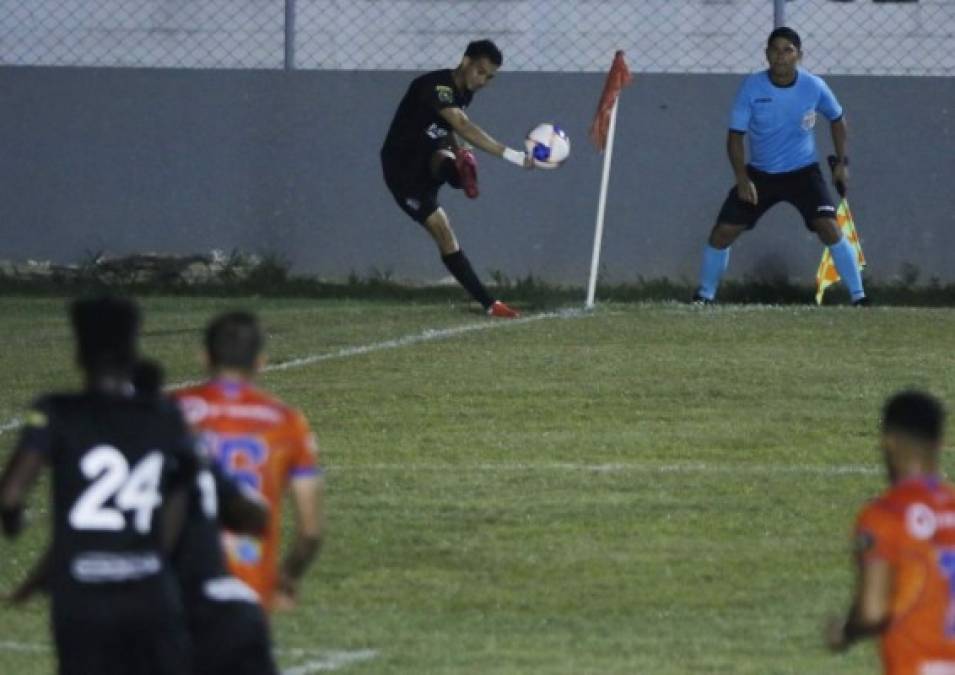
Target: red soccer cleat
x,y
466,164
502,311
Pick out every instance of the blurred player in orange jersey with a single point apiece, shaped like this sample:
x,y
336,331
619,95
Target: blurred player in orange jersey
x,y
905,549
264,444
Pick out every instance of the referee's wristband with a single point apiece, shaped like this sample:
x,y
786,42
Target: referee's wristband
x,y
514,156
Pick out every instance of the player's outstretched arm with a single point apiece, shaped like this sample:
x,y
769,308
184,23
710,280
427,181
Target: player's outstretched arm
x,y
476,136
308,493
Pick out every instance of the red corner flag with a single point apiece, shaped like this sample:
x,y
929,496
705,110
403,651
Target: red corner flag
x,y
618,78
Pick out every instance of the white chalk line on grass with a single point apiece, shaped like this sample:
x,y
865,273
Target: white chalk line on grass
x,y
332,661
429,335
623,467
320,661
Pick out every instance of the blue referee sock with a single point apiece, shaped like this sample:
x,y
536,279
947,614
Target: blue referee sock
x,y
715,261
844,256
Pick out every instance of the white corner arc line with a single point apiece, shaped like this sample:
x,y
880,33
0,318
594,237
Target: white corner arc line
x,y
429,335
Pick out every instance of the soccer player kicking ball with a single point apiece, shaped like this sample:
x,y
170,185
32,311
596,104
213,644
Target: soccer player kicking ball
x,y
905,549
421,153
777,108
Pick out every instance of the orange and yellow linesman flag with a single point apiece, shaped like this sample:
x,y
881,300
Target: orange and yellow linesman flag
x,y
618,78
827,275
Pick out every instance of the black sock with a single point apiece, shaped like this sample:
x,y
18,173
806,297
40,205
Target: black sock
x,y
460,269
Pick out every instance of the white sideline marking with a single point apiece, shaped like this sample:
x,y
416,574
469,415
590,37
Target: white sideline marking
x,y
430,335
322,661
332,661
27,647
624,467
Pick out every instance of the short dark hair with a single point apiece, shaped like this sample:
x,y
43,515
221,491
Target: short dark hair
x,y
106,330
234,340
916,414
486,49
785,32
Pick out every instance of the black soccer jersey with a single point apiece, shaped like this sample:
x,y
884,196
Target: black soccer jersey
x,y
199,557
418,129
114,460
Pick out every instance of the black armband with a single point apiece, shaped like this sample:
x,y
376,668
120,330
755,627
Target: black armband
x,y
12,519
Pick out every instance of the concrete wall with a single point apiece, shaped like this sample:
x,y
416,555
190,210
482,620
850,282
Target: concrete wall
x,y
186,161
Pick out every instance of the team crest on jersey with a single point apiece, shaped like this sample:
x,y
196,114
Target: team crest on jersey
x,y
809,120
445,93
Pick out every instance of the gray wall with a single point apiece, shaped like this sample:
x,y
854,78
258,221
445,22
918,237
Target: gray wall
x,y
186,161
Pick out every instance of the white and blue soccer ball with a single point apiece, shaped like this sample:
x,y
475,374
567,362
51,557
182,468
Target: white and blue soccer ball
x,y
548,144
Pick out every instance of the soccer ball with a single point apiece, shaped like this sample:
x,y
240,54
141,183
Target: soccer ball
x,y
548,144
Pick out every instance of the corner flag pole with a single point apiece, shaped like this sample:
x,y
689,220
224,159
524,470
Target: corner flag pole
x,y
602,131
601,207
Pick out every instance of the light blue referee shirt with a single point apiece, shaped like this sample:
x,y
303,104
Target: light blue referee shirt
x,y
780,121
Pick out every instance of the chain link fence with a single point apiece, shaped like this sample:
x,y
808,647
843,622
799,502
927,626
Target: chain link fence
x,y
874,37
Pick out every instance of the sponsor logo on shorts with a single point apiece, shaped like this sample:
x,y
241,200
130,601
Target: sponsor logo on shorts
x,y
826,208
809,120
413,203
763,100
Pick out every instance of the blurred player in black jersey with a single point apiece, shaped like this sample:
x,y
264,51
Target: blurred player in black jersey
x,y
421,153
226,622
122,465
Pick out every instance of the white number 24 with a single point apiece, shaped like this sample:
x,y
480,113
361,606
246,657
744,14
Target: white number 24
x,y
135,490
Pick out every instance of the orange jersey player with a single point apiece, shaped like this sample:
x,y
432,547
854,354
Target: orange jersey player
x,y
263,444
905,549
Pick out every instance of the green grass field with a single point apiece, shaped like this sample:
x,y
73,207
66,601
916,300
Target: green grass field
x,y
642,489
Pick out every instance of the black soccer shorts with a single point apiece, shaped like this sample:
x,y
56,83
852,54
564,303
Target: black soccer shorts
x,y
230,638
118,633
803,188
413,187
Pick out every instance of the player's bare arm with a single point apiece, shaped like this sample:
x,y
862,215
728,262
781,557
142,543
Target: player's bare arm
x,y
308,494
476,136
840,170
244,513
18,477
175,509
36,580
736,151
869,614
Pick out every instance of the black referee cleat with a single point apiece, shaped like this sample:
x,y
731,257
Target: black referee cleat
x,y
862,302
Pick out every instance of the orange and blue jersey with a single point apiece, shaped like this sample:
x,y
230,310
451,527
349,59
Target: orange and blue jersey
x,y
912,528
264,445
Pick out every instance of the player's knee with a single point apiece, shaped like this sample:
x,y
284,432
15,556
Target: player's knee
x,y
722,236
827,230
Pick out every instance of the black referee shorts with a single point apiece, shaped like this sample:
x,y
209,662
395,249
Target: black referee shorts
x,y
804,188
